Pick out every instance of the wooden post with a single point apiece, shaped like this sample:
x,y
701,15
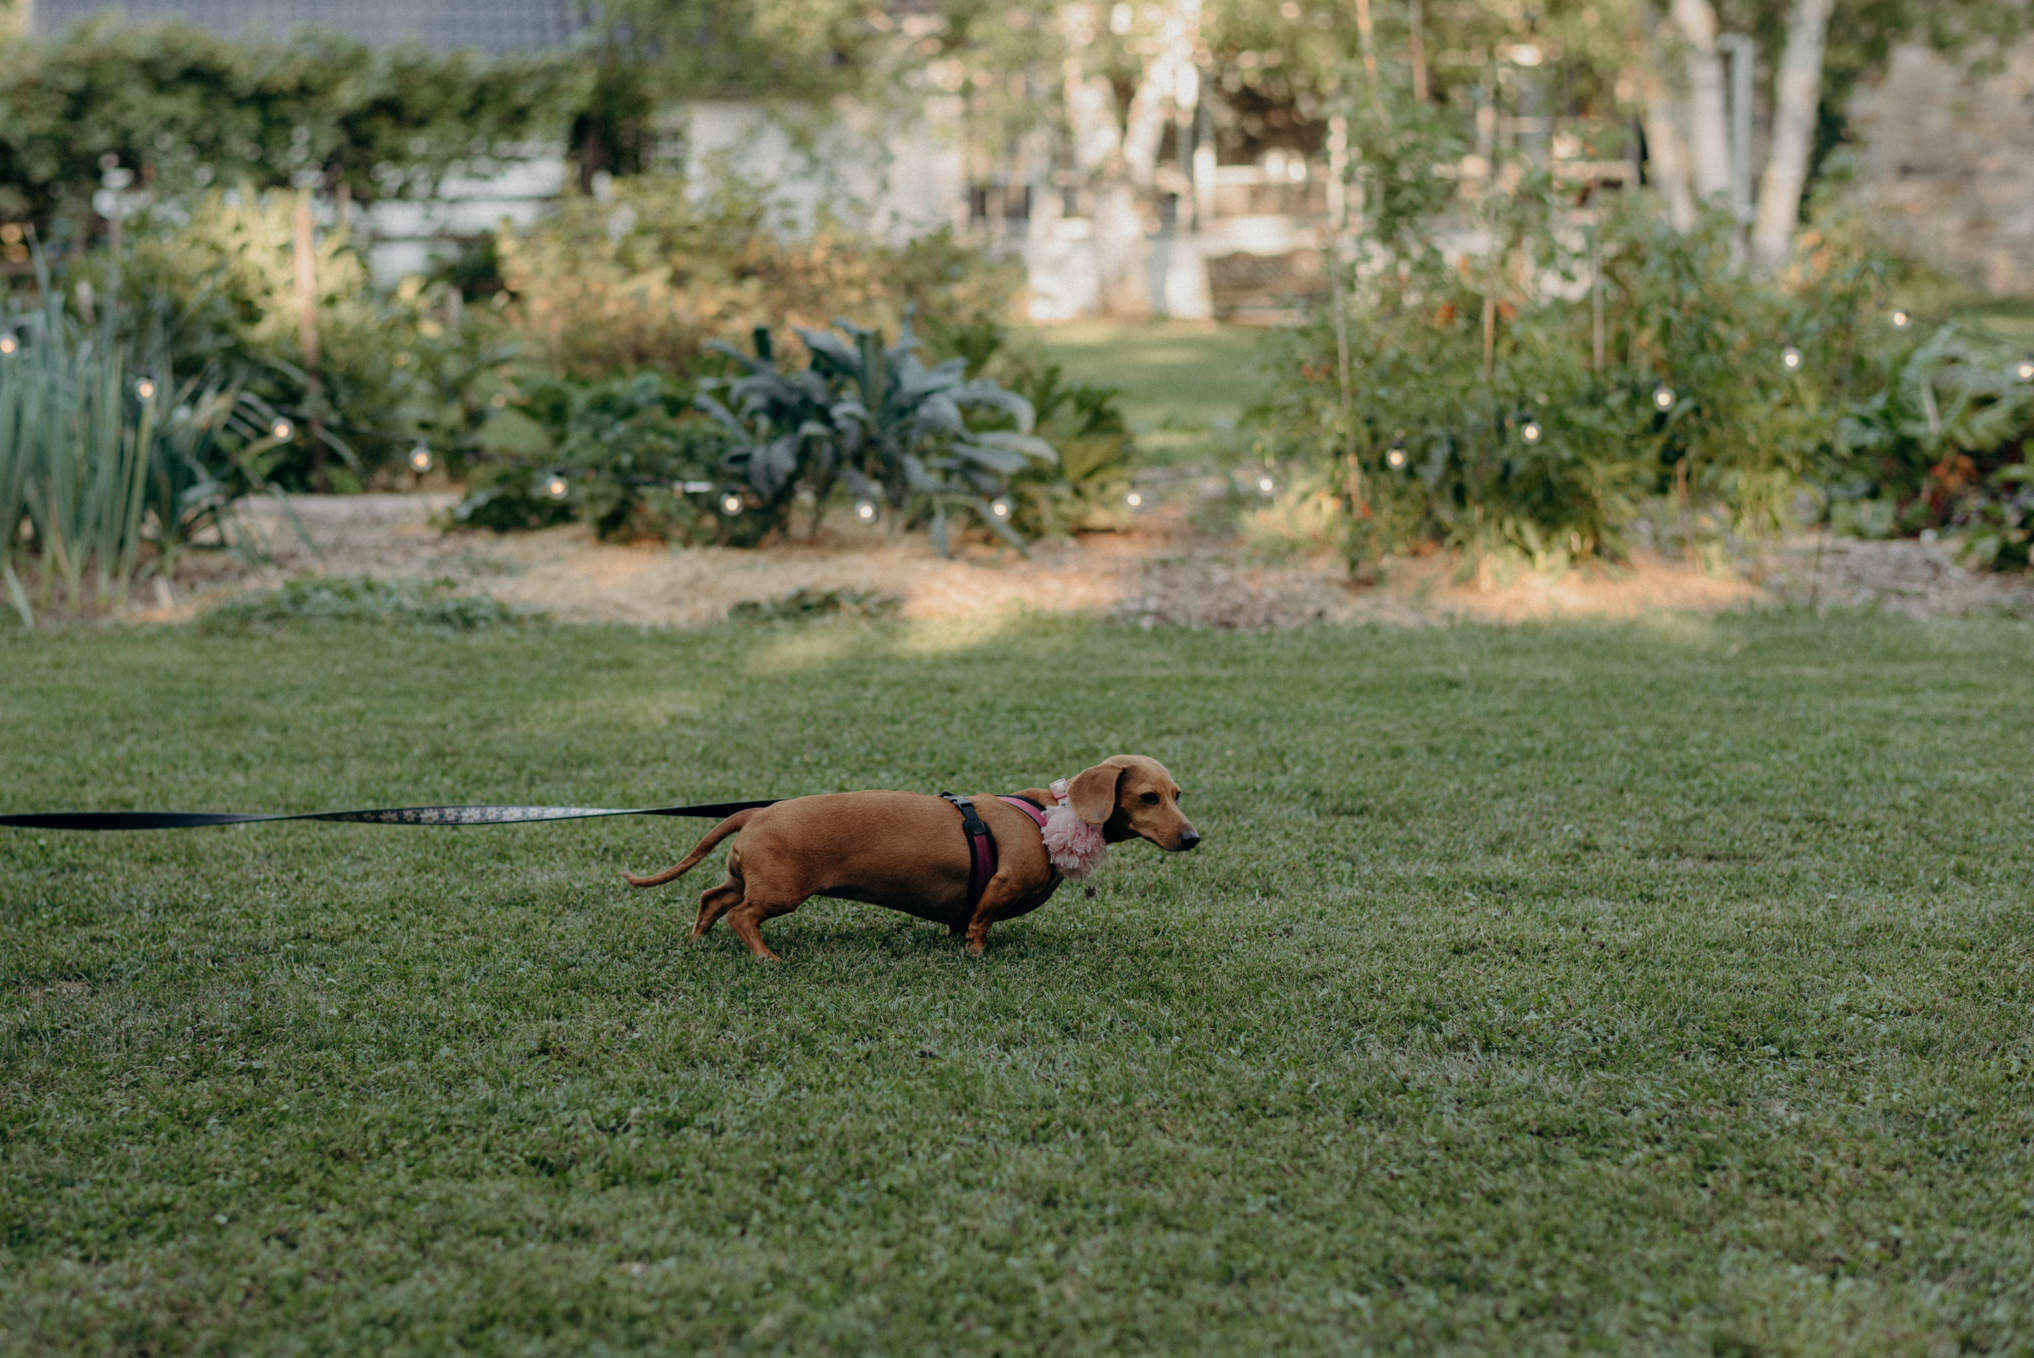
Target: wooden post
x,y
304,251
1596,296
1418,44
1338,229
1489,332
1366,38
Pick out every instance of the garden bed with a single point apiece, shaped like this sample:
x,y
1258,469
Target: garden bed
x,y
1166,571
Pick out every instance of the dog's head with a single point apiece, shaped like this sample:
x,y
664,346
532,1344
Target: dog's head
x,y
1130,796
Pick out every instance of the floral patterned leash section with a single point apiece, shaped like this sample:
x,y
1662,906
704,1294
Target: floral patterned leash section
x,y
387,815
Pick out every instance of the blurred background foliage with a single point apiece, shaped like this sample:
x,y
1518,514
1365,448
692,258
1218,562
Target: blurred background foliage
x,y
650,277
1592,374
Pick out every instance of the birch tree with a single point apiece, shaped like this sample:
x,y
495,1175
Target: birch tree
x,y
1797,94
1708,140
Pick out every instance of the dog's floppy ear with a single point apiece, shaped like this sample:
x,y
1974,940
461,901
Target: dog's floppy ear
x,y
1093,791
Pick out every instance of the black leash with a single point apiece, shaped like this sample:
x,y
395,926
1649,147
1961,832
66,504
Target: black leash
x,y
387,815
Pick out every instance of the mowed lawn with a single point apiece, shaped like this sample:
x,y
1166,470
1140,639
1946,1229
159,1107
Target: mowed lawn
x,y
1661,989
1184,385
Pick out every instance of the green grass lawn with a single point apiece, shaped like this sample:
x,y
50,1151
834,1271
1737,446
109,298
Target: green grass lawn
x,y
1185,386
1634,989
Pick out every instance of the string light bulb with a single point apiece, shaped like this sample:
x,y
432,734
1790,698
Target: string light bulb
x,y
145,389
1663,397
1265,484
556,486
1530,431
8,344
1790,358
2024,370
1901,320
282,429
1394,457
420,459
1000,508
731,504
865,510
1134,500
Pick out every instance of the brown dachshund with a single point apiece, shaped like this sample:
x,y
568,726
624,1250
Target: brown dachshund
x,y
908,851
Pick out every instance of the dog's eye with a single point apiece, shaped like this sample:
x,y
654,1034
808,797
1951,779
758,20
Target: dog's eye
x,y
1151,799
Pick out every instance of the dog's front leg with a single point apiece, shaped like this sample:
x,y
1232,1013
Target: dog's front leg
x,y
1002,892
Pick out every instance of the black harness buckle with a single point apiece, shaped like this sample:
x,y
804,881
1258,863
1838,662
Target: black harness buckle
x,y
981,849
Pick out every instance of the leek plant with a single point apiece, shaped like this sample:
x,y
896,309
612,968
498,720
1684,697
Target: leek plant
x,y
107,462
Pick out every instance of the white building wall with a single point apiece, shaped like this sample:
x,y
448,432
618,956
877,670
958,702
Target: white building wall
x,y
408,234
891,175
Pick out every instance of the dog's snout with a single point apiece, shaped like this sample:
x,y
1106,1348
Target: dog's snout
x,y
1188,838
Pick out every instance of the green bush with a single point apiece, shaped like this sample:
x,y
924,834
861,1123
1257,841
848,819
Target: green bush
x,y
632,456
167,106
1083,490
1942,443
215,286
617,454
875,421
652,278
1489,414
1533,399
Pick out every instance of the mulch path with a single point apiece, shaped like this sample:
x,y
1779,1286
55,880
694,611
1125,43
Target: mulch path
x,y
1162,573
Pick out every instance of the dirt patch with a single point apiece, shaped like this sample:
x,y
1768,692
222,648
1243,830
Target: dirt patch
x,y
1163,573
1920,579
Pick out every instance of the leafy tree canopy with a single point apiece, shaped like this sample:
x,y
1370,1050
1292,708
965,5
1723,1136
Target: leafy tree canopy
x,y
689,48
171,106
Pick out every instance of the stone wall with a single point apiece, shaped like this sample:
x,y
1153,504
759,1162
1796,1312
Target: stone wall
x,y
1946,162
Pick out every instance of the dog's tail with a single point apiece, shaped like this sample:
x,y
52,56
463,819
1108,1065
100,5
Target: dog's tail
x,y
699,851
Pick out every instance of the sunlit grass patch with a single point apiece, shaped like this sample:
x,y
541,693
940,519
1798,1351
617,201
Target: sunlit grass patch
x,y
1185,385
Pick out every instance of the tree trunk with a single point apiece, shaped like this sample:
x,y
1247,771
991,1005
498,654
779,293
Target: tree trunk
x,y
1666,166
1121,160
1119,206
1708,122
1797,93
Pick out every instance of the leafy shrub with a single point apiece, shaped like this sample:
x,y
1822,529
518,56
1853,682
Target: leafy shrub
x,y
1942,443
1528,400
878,422
109,463
623,451
1481,418
650,279
1083,491
361,599
216,287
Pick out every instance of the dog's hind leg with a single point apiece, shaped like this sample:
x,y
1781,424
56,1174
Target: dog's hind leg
x,y
746,918
715,902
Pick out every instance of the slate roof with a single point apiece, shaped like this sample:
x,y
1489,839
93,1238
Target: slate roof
x,y
489,26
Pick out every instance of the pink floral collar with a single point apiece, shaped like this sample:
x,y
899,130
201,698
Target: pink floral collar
x,y
1075,847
